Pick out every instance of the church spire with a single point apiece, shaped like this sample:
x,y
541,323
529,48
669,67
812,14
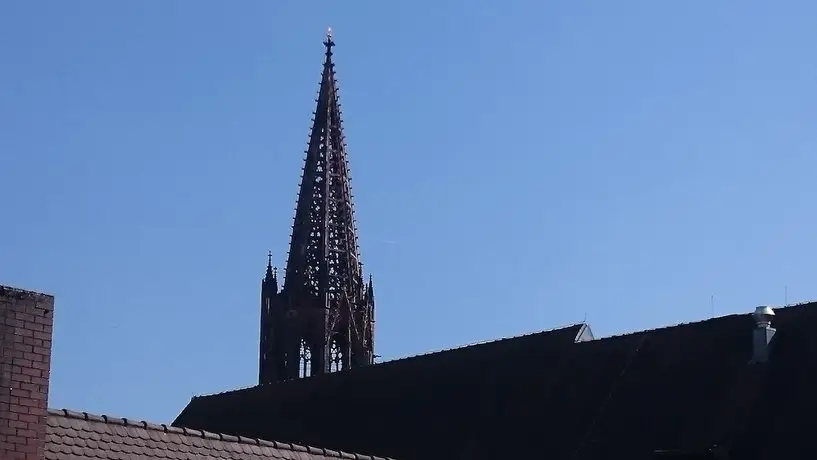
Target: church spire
x,y
323,253
323,283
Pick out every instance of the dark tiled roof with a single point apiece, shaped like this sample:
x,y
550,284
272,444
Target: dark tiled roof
x,y
81,436
682,389
407,389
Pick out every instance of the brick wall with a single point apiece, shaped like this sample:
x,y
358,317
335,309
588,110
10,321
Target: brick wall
x,y
26,320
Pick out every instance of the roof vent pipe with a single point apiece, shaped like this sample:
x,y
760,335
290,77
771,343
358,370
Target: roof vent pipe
x,y
762,334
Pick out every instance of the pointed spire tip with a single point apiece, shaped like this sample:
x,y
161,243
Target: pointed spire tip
x,y
329,43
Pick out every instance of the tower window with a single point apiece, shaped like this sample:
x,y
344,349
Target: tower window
x,y
305,369
335,358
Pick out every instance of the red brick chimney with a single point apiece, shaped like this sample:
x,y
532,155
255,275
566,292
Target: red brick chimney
x,y
26,319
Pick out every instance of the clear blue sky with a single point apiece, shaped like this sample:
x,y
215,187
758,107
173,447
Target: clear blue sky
x,y
517,165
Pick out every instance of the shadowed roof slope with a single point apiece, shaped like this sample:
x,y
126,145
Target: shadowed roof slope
x,y
410,386
683,389
80,436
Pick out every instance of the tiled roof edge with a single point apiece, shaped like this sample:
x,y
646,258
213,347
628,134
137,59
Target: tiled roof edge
x,y
208,435
410,357
21,293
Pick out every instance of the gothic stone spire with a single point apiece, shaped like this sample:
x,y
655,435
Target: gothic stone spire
x,y
325,321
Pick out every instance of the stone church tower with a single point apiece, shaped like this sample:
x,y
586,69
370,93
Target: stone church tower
x,y
322,319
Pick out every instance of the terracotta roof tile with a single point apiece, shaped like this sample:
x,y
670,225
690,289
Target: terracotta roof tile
x,y
81,436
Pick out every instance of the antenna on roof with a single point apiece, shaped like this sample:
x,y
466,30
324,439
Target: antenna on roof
x,y
786,295
712,304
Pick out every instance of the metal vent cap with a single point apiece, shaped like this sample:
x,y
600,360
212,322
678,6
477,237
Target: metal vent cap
x,y
763,316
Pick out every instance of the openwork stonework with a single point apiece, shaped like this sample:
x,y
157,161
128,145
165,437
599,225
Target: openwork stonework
x,y
322,320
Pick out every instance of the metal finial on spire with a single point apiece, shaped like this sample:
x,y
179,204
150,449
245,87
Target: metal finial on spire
x,y
269,258
329,43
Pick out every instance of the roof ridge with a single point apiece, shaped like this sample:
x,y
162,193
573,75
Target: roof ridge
x,y
665,327
409,357
705,320
485,342
209,435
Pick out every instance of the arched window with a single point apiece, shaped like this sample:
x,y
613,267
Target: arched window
x,y
335,357
305,369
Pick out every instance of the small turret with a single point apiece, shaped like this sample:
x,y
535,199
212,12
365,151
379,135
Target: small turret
x,y
269,294
271,276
